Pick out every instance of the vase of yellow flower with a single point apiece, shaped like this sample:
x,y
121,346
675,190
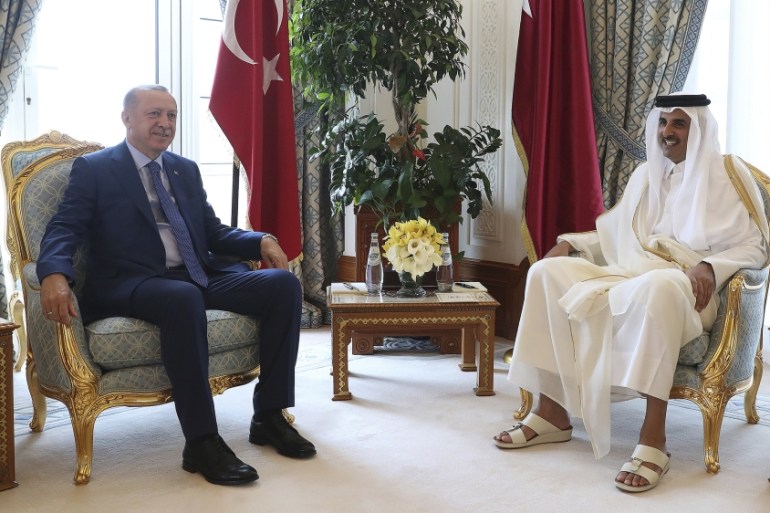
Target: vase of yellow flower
x,y
413,248
410,286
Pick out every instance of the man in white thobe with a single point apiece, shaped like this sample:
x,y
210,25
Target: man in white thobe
x,y
609,326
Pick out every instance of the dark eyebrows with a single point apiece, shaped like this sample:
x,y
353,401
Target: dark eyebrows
x,y
677,121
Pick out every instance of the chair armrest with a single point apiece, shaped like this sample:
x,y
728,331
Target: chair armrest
x,y
752,277
736,332
50,341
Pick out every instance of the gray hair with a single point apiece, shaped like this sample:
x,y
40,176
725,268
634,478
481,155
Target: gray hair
x,y
131,97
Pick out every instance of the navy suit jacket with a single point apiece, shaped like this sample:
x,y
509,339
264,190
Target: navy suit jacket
x,y
106,206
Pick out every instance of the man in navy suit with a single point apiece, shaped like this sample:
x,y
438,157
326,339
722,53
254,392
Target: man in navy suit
x,y
141,263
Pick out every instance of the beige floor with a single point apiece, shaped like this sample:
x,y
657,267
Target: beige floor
x,y
414,439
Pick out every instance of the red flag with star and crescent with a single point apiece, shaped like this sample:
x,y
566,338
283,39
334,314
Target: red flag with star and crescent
x,y
251,99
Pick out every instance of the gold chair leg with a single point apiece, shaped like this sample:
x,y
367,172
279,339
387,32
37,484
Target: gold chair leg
x,y
712,427
83,428
750,398
16,307
526,405
39,406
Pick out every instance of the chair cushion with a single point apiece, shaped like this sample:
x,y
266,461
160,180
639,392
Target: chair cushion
x,y
693,352
122,342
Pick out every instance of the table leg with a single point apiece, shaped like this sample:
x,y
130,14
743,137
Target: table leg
x,y
340,340
7,448
486,359
469,336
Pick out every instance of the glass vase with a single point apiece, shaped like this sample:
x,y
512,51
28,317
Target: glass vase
x,y
410,286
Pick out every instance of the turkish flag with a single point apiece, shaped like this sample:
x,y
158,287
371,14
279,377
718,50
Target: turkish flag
x,y
252,101
553,124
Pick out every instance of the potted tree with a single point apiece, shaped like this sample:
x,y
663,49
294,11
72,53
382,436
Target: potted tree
x,y
337,48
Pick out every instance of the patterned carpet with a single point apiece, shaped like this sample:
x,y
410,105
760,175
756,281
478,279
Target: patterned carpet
x,y
57,415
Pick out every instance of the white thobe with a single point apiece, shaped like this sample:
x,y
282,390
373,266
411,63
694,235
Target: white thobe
x,y
610,325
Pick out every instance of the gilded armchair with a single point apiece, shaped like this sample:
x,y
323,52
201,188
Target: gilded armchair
x,y
110,362
726,361
15,156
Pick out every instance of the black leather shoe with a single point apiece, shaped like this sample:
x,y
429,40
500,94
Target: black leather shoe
x,y
217,462
276,431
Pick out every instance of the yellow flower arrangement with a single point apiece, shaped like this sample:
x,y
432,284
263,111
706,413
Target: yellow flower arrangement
x,y
413,247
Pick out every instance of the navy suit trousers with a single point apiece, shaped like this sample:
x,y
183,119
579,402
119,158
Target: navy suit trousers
x,y
178,307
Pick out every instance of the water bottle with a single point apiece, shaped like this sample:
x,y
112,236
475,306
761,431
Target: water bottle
x,y
374,271
445,272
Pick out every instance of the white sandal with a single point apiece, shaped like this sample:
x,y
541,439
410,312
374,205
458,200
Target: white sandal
x,y
642,454
545,433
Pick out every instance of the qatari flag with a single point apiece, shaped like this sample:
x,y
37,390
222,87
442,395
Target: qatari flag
x,y
553,124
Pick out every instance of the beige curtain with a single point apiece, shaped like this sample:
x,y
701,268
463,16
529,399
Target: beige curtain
x,y
17,23
639,49
322,232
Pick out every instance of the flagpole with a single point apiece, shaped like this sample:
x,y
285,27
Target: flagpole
x,y
235,191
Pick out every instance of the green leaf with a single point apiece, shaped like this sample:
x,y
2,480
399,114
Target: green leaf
x,y
337,50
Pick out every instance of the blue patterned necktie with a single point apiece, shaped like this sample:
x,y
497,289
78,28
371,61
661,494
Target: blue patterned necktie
x,y
178,228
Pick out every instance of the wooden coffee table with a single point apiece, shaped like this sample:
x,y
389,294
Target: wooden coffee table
x,y
356,314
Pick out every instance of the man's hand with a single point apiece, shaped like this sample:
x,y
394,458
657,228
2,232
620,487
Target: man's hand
x,y
272,254
563,248
703,284
56,299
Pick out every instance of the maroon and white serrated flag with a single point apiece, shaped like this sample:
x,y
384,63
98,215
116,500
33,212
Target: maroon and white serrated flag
x,y
553,124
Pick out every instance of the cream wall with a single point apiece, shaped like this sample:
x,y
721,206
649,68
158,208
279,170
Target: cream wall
x,y
484,96
492,29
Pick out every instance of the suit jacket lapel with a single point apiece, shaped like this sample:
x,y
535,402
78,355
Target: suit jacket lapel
x,y
125,172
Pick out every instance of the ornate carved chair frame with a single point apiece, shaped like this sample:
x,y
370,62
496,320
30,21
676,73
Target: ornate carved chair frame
x,y
15,156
